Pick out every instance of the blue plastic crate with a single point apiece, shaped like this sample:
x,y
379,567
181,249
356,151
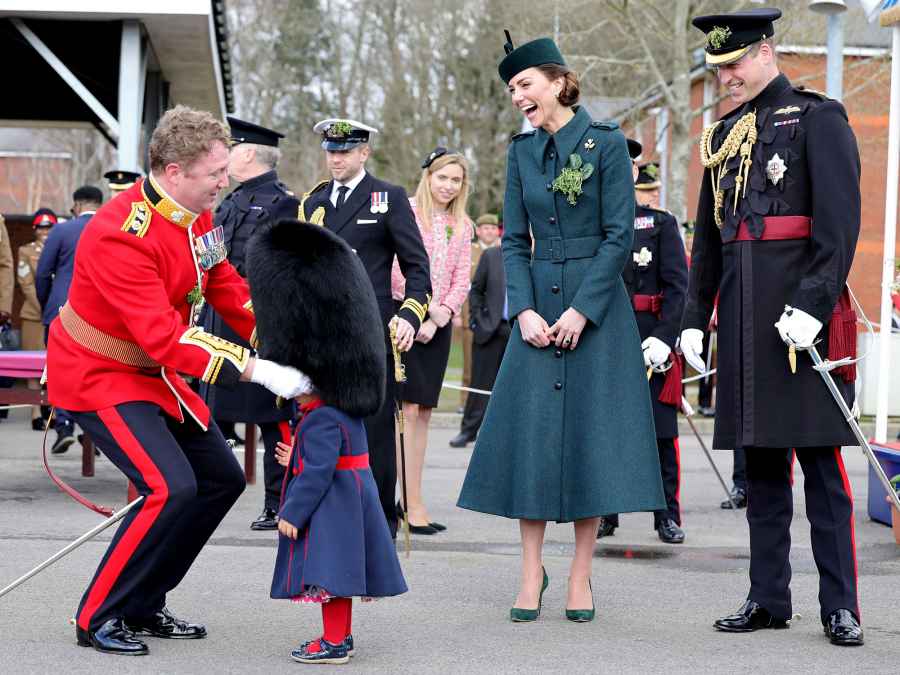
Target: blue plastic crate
x,y
889,457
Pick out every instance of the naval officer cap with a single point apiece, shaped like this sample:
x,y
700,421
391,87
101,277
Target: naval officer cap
x,y
730,36
121,180
634,148
247,132
531,54
648,177
340,135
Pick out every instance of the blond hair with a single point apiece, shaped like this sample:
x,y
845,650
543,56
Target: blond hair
x,y
183,136
459,219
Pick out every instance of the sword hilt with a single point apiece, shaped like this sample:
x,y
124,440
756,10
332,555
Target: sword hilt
x,y
399,368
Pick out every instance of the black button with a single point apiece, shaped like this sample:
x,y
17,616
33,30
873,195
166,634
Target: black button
x,y
557,386
555,289
552,155
558,353
549,186
552,220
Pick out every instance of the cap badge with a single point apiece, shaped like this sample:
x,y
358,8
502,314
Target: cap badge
x,y
379,202
718,36
775,169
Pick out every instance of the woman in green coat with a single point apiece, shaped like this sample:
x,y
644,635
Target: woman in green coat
x,y
568,434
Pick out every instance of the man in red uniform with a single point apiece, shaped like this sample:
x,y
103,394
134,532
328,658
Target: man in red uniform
x,y
145,264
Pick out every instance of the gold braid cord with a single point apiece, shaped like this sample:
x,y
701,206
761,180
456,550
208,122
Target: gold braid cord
x,y
739,140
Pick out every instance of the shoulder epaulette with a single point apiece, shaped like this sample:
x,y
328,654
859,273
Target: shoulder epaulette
x,y
301,211
607,126
821,95
284,188
524,134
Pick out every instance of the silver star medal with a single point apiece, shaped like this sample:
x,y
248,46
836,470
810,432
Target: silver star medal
x,y
775,169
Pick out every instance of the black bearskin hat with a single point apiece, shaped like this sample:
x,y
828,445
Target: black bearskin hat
x,y
316,311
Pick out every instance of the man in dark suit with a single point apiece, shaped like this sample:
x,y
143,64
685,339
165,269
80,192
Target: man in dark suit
x,y
52,279
259,200
375,218
489,321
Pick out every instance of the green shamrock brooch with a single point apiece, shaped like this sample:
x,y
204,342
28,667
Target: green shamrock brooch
x,y
572,177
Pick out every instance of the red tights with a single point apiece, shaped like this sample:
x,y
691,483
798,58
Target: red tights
x,y
337,615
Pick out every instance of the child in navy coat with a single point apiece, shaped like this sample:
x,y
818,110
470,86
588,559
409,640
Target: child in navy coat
x,y
315,308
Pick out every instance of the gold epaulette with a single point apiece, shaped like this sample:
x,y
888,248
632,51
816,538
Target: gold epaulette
x,y
301,211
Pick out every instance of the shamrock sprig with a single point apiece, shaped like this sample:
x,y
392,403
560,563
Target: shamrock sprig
x,y
448,230
340,129
717,36
572,177
195,295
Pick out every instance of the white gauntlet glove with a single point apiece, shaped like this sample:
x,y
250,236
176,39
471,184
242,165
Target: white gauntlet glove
x,y
692,347
798,328
281,380
656,352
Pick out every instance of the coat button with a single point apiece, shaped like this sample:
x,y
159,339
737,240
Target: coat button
x,y
552,220
557,386
549,186
555,289
552,155
558,353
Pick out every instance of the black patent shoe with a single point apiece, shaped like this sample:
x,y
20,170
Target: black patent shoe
x,y
749,618
164,624
738,496
438,527
38,424
65,436
461,440
606,529
843,629
113,637
267,520
327,652
669,532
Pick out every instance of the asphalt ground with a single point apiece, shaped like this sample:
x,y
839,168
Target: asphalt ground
x,y
655,602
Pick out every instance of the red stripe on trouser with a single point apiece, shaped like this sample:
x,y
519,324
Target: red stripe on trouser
x,y
137,530
846,481
677,476
793,461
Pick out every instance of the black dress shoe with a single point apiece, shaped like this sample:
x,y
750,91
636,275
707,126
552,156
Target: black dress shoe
x,y
606,529
65,436
843,629
38,424
738,496
438,527
267,520
669,532
113,637
749,618
164,625
461,440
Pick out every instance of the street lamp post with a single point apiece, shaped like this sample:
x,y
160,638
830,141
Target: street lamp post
x,y
834,10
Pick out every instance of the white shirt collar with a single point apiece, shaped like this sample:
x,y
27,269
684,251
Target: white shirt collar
x,y
352,183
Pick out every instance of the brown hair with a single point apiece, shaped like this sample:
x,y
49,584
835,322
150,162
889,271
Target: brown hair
x,y
183,135
570,92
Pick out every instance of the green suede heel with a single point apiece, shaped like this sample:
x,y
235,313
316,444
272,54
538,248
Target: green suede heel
x,y
582,615
518,615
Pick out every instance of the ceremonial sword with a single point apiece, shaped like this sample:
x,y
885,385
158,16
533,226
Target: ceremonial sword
x,y
114,518
688,413
400,378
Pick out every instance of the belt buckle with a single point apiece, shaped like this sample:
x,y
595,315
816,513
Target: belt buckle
x,y
557,249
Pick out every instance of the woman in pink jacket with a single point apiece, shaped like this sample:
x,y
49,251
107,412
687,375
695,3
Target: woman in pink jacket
x,y
440,208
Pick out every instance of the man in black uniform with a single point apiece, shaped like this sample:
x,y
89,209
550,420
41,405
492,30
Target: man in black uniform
x,y
656,280
259,200
375,218
784,159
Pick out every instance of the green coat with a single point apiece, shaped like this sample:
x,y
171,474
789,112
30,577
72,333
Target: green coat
x,y
568,434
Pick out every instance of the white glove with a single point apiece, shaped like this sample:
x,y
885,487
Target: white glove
x,y
656,352
692,347
281,380
798,328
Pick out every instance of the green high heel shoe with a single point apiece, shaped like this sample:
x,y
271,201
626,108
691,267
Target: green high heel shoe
x,y
518,615
582,615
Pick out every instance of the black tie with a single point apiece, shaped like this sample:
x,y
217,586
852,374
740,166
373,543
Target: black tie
x,y
342,196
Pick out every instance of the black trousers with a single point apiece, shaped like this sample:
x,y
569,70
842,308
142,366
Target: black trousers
x,y
739,469
670,467
829,509
273,472
486,359
383,442
189,479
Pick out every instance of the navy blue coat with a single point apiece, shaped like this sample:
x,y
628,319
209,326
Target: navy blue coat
x,y
54,270
344,545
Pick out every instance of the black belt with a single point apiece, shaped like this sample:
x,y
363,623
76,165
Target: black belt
x,y
558,249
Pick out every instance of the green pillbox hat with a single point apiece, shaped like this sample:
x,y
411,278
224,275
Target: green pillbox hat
x,y
534,53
